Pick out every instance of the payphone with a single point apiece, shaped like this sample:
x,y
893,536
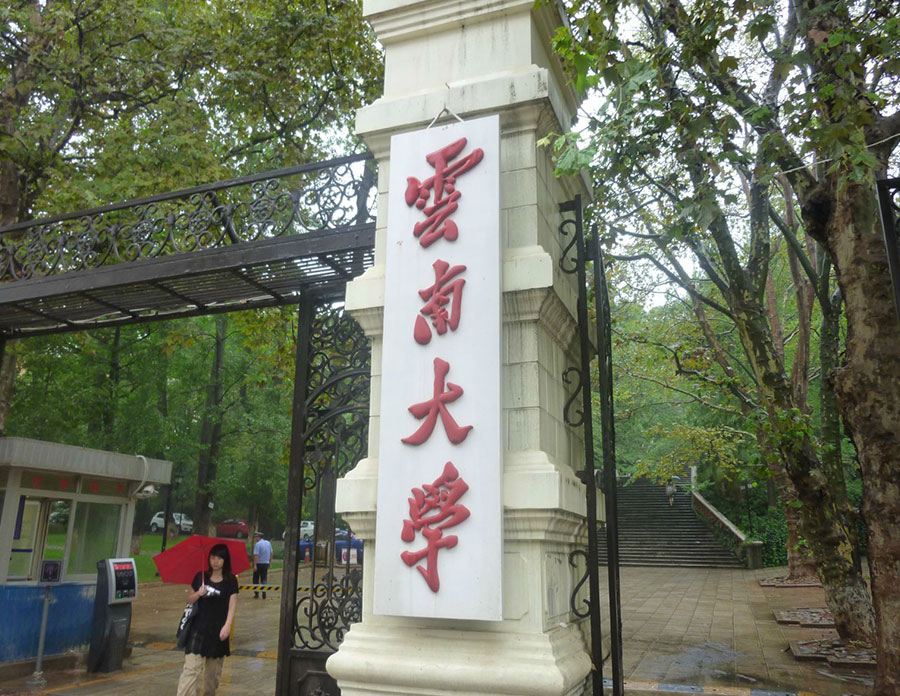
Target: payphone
x,y
116,590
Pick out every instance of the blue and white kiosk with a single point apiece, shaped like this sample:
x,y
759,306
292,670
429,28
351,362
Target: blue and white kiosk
x,y
68,503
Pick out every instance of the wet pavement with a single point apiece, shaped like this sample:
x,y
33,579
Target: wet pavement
x,y
685,630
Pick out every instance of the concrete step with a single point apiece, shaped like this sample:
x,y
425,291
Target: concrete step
x,y
652,532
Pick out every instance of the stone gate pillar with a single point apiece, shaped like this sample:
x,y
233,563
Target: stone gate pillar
x,y
478,59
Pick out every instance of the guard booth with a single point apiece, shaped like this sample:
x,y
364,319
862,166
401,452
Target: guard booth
x,y
68,503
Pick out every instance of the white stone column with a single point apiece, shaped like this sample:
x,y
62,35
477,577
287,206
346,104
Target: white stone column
x,y
478,59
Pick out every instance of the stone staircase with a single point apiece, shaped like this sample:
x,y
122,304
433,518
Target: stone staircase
x,y
653,534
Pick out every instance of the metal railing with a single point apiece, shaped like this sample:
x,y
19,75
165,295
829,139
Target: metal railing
x,y
319,196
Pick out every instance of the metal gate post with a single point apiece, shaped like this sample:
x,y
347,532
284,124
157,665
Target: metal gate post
x,y
295,494
608,442
588,474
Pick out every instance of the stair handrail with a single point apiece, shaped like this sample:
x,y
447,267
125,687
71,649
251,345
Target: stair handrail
x,y
750,552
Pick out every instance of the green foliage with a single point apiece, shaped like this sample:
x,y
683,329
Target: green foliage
x,y
150,399
709,115
104,100
107,100
772,531
693,446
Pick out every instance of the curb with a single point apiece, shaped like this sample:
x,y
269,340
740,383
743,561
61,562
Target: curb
x,y
649,688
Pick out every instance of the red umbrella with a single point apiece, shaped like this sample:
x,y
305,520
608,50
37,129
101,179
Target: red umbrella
x,y
184,560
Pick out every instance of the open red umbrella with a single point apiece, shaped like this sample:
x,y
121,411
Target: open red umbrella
x,y
184,560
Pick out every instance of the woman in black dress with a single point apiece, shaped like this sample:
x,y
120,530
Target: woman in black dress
x,y
207,643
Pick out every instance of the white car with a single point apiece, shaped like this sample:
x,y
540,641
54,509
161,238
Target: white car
x,y
307,530
184,523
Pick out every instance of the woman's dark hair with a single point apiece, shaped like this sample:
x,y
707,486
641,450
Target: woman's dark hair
x,y
221,550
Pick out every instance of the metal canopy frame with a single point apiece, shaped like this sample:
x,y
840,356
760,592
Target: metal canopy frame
x,y
258,241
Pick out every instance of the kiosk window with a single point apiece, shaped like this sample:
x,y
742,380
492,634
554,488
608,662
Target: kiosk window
x,y
24,538
55,545
94,536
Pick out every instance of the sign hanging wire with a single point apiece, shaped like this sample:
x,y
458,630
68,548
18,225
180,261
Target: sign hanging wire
x,y
444,110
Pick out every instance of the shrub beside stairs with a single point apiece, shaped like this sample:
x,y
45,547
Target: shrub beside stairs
x,y
653,534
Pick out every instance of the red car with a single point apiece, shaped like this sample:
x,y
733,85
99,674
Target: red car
x,y
233,528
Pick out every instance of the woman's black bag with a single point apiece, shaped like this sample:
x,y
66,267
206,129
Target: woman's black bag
x,y
184,625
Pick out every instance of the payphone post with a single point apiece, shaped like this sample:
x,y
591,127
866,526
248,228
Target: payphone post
x,y
117,588
51,574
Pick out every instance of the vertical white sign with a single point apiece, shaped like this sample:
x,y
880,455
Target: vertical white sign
x,y
439,518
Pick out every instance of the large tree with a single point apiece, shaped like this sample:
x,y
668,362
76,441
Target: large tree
x,y
807,91
105,100
102,100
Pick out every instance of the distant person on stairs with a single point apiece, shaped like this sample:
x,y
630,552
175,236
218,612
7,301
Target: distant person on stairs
x,y
670,492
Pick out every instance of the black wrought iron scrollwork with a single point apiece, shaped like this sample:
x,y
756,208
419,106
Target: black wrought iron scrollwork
x,y
568,260
573,413
581,613
335,438
327,610
299,200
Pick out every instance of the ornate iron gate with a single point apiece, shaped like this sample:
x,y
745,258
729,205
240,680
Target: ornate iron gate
x,y
581,415
330,437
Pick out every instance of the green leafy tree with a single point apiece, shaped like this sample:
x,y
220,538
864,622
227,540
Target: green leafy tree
x,y
102,101
757,90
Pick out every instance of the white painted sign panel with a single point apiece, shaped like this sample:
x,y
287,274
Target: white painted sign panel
x,y
439,516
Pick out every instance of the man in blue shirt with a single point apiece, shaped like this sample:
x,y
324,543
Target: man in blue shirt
x,y
262,557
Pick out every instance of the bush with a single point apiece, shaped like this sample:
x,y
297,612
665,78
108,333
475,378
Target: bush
x,y
771,529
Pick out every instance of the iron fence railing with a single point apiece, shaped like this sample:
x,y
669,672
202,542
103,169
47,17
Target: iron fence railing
x,y
333,194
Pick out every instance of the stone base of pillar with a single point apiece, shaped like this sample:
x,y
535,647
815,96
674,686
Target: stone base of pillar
x,y
375,660
536,650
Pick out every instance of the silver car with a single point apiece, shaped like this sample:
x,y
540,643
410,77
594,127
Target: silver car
x,y
183,523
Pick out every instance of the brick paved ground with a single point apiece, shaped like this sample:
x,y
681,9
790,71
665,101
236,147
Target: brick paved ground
x,y
684,629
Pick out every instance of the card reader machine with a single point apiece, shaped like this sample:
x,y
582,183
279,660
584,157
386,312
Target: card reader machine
x,y
116,590
121,576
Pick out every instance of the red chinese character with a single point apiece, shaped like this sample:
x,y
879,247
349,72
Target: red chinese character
x,y
430,409
443,182
432,509
438,295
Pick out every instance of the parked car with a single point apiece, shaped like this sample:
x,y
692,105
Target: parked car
x,y
307,530
341,554
183,523
235,527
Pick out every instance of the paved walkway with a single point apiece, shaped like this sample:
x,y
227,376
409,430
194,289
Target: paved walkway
x,y
685,630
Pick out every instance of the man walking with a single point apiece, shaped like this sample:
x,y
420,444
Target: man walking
x,y
262,557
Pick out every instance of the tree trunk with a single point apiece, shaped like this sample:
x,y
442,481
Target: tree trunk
x,y
832,459
9,190
112,390
868,392
211,434
7,380
801,562
821,521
